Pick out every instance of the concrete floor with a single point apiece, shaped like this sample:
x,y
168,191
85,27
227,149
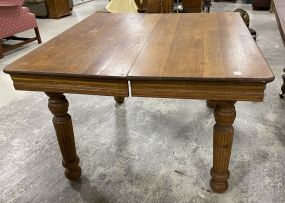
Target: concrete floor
x,y
129,153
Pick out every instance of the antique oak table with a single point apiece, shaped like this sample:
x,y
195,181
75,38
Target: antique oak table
x,y
280,18
191,56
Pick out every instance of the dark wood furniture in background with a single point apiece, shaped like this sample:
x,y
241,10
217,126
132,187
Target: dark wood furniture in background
x,y
280,18
160,55
261,4
40,7
167,6
58,8
155,6
234,1
192,6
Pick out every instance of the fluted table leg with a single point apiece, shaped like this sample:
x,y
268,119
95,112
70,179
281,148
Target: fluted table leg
x,y
119,100
58,106
223,137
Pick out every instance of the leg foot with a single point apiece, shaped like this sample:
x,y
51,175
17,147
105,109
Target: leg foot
x,y
1,49
58,106
282,94
223,137
211,103
119,100
38,35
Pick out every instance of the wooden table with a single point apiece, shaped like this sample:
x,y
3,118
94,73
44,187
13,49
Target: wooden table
x,y
160,55
280,18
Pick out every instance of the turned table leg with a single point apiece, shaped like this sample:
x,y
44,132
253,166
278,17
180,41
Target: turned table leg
x,y
211,103
282,94
223,137
58,106
119,100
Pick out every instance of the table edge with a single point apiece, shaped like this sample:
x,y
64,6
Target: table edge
x,y
137,78
63,75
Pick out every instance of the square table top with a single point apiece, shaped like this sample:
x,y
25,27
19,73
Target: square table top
x,y
188,47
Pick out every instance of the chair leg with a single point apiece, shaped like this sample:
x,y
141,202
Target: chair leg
x,y
38,35
282,94
1,49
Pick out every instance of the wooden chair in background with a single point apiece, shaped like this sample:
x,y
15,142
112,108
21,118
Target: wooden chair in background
x,y
15,19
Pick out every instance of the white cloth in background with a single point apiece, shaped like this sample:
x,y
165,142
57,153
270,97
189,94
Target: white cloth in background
x,y
76,2
122,6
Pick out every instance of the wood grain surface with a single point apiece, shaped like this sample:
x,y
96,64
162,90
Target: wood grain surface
x,y
103,46
204,47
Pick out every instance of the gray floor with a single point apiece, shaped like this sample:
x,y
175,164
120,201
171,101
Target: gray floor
x,y
129,153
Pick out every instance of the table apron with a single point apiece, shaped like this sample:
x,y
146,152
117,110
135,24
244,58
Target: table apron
x,y
72,85
237,91
199,90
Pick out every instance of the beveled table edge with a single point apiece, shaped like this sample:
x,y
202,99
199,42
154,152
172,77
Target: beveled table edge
x,y
62,75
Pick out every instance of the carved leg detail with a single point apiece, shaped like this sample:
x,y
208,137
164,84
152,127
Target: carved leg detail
x,y
223,137
58,106
211,103
282,94
119,100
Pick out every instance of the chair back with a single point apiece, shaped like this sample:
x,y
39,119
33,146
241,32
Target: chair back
x,y
11,3
14,18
